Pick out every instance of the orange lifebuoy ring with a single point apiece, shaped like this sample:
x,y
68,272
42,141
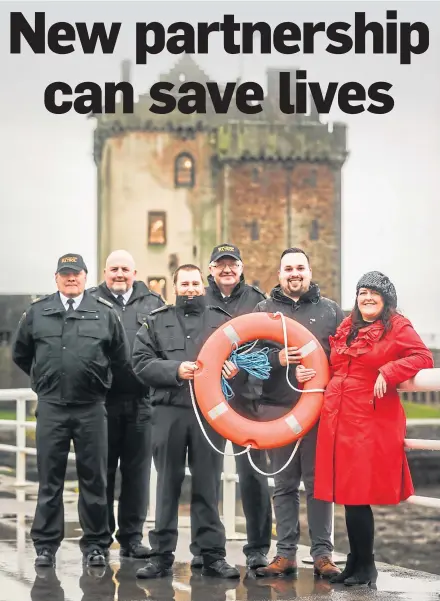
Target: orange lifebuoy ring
x,y
230,424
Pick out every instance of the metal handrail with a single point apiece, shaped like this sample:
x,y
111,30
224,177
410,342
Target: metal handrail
x,y
426,380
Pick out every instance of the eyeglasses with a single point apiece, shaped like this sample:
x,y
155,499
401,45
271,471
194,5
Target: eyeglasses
x,y
221,265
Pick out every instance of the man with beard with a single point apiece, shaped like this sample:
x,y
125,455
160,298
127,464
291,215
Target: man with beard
x,y
228,289
164,358
129,429
299,298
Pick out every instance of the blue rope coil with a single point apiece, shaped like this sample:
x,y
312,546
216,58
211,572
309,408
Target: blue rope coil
x,y
256,364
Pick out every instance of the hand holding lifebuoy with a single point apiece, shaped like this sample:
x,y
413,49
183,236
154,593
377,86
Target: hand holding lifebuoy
x,y
301,345
293,356
303,374
229,370
186,370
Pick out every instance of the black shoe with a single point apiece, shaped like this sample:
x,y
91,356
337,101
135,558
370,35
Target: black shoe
x,y
220,569
155,568
197,562
256,559
365,572
45,559
135,550
95,558
348,571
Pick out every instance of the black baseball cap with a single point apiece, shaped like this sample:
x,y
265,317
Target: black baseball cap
x,y
225,250
71,262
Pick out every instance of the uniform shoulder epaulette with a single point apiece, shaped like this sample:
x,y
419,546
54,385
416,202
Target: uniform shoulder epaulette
x,y
217,308
104,301
92,289
257,290
40,298
163,308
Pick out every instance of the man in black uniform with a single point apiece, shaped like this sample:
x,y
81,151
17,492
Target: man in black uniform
x,y
129,429
299,298
228,289
71,344
164,356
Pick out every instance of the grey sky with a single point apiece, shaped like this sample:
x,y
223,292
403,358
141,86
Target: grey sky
x,y
391,210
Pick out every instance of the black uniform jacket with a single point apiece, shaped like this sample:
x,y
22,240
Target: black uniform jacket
x,y
170,336
320,315
71,358
141,302
242,300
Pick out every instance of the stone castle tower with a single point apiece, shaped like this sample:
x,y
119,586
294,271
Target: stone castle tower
x,y
170,187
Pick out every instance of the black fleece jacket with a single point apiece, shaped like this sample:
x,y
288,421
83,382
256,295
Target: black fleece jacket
x,y
320,315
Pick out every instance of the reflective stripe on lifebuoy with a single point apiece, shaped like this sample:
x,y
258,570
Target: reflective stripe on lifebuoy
x,y
235,427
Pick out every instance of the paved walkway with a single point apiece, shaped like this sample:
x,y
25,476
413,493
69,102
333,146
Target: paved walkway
x,y
19,580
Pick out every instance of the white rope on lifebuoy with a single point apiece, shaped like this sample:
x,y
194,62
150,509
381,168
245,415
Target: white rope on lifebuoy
x,y
248,448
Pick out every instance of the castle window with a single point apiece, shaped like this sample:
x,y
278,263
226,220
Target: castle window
x,y
314,230
158,284
311,180
157,232
254,229
184,171
5,338
173,262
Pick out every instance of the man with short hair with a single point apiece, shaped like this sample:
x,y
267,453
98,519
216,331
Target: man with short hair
x,y
164,358
71,344
129,428
299,298
229,290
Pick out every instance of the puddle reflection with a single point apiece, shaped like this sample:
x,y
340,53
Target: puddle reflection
x,y
73,581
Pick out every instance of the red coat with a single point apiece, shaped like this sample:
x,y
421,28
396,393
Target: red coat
x,y
360,457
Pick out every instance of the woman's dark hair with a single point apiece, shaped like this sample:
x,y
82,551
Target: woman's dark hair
x,y
357,322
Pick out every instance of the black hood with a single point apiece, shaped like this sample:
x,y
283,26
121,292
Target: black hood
x,y
312,295
140,290
235,292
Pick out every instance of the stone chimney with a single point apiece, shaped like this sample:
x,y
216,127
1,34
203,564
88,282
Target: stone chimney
x,y
126,70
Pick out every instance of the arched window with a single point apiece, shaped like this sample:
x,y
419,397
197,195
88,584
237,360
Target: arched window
x,y
184,171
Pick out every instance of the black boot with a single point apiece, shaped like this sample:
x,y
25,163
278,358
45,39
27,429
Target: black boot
x,y
365,572
348,571
156,567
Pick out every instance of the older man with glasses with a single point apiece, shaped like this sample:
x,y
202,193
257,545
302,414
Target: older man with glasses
x,y
228,289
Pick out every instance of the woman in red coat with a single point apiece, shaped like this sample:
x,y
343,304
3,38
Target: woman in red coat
x,y
360,456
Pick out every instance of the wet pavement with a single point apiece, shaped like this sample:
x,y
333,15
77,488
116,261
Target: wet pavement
x,y
71,581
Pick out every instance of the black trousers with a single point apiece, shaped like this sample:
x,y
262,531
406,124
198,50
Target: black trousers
x,y
129,443
57,425
254,489
254,492
255,498
175,432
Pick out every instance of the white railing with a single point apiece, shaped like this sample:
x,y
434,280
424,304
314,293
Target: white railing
x,y
426,380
